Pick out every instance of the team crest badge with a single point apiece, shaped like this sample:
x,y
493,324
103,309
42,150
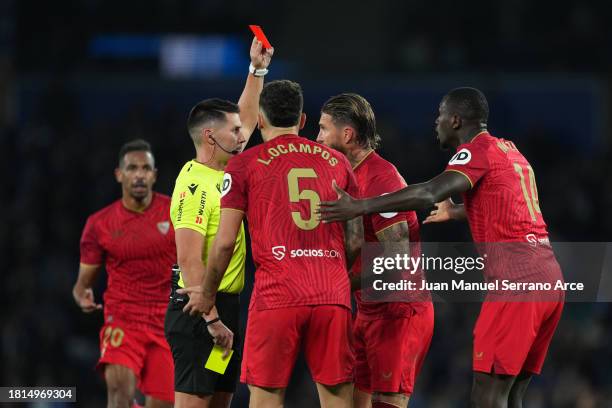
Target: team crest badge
x,y
163,227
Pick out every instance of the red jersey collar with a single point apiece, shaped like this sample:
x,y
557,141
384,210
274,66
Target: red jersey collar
x,y
484,132
367,156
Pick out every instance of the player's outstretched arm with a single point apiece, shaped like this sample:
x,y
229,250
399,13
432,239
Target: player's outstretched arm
x,y
82,290
446,210
249,100
413,197
353,240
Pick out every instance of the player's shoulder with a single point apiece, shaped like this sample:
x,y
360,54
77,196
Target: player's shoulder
x,y
379,173
483,145
106,212
376,166
379,163
494,148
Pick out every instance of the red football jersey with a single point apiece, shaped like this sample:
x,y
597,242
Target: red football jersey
x,y
278,184
139,251
375,177
502,207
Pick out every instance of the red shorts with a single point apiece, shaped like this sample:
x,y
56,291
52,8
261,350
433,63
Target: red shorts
x,y
511,337
145,353
389,352
275,336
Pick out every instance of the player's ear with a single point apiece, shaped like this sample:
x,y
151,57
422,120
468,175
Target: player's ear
x,y
260,121
118,175
302,121
456,122
348,134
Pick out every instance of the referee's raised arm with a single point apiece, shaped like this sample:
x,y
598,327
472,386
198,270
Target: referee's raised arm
x,y
249,100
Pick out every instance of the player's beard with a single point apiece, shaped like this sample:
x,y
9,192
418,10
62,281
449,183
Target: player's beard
x,y
140,192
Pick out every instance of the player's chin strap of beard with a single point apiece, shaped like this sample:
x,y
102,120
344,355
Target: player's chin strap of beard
x,y
232,152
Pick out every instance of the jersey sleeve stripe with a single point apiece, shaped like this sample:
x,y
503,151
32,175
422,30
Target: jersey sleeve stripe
x,y
391,225
466,176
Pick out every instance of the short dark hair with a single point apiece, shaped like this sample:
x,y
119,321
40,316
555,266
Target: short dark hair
x,y
354,110
469,103
137,145
206,111
282,102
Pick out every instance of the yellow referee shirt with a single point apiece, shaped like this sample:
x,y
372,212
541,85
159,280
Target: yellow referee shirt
x,y
196,204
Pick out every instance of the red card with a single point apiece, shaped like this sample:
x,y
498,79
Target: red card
x,y
260,35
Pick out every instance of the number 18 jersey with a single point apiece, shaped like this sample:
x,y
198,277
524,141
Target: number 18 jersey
x,y
299,260
502,205
503,210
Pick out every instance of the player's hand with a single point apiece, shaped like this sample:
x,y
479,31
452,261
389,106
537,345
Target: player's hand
x,y
198,302
260,56
85,300
345,208
442,212
222,336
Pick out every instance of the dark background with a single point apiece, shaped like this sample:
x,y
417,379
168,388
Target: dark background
x,y
79,78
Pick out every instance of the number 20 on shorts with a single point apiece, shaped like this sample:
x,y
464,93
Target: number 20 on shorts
x,y
114,336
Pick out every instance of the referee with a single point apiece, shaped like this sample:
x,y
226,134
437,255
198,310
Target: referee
x,y
219,130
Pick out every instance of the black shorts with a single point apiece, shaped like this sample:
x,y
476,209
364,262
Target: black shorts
x,y
191,345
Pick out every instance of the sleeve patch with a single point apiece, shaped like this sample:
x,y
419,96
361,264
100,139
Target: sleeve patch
x,y
463,156
227,184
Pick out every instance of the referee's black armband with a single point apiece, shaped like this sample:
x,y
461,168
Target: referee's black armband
x,y
215,320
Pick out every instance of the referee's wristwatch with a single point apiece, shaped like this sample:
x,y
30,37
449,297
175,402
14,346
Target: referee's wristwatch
x,y
258,72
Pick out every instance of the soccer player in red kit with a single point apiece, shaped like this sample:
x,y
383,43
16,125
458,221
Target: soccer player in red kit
x,y
301,298
391,338
133,237
511,338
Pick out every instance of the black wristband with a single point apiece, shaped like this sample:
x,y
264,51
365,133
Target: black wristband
x,y
208,323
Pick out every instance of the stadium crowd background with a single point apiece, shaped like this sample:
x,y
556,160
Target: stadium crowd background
x,y
79,78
